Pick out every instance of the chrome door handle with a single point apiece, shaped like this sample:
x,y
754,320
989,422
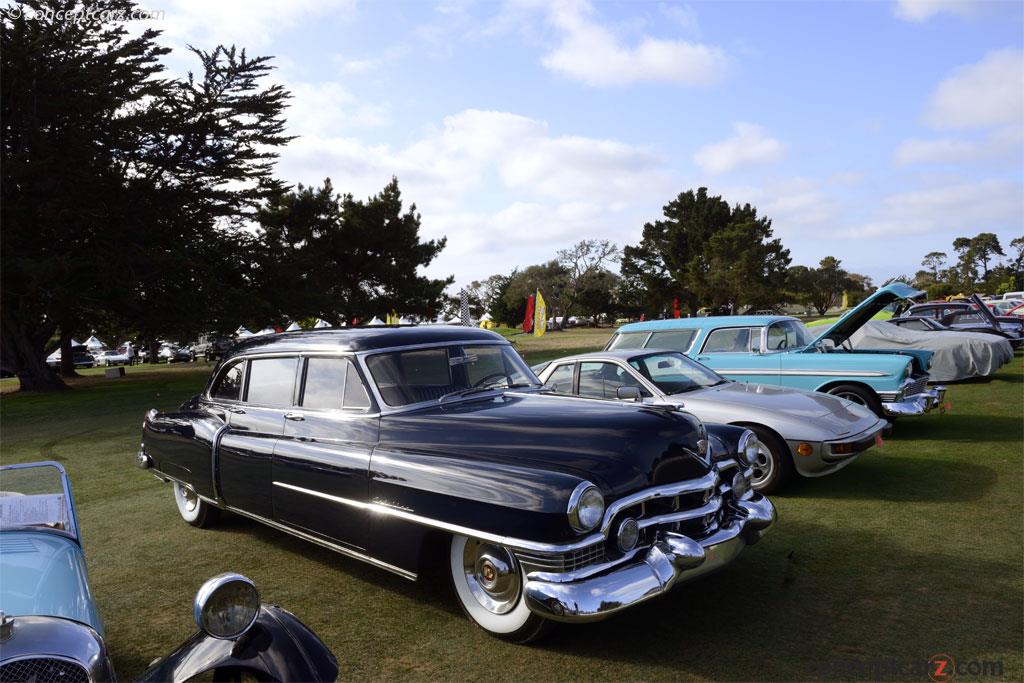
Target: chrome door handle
x,y
297,417
236,411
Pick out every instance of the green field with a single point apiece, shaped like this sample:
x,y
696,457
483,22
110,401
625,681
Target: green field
x,y
915,549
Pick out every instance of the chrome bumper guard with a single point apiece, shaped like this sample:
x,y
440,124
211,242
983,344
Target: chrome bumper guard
x,y
918,404
672,559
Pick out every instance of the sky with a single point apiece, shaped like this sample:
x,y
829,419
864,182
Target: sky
x,y
871,131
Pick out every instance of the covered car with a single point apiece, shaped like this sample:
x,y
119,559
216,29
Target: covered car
x,y
957,355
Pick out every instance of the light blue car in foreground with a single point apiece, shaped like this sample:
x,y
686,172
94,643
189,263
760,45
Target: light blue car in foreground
x,y
775,349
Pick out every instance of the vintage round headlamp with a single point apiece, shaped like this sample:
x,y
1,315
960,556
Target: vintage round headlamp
x,y
586,507
226,606
749,447
628,535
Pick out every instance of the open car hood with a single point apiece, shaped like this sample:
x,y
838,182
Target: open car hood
x,y
855,318
985,312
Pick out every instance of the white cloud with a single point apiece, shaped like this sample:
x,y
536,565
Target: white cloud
x,y
922,10
989,93
683,16
327,108
1003,144
749,146
966,207
593,54
246,23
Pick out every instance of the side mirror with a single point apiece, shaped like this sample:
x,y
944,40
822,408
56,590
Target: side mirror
x,y
627,394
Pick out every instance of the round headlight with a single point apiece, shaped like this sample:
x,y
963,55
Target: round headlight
x,y
629,534
749,447
586,507
226,606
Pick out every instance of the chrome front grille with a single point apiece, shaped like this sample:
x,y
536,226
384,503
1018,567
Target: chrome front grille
x,y
916,386
43,670
563,562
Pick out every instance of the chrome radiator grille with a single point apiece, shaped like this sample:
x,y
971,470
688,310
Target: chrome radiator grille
x,y
565,562
43,670
916,386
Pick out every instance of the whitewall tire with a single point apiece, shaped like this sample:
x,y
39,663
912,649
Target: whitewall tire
x,y
488,583
193,509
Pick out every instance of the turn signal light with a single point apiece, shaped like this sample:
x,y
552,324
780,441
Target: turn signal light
x,y
806,449
843,448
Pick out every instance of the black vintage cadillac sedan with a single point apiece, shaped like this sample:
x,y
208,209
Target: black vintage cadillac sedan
x,y
383,443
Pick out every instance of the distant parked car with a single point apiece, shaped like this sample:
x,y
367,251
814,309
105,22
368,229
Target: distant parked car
x,y
798,432
1004,306
211,346
80,354
112,358
50,628
175,354
957,354
781,350
971,314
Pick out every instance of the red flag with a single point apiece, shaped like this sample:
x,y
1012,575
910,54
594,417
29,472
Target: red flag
x,y
643,317
528,320
675,308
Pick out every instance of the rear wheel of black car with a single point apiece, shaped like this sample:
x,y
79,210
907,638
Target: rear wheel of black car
x,y
862,396
193,509
773,467
488,583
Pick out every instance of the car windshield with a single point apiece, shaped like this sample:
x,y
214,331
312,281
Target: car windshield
x,y
674,373
788,334
35,495
418,375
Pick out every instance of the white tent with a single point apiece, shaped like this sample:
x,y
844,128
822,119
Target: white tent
x,y
265,330
74,343
376,322
404,321
320,324
455,321
242,333
294,327
92,343
486,318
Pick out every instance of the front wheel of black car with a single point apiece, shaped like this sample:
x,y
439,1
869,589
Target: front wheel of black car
x,y
773,466
862,396
194,509
488,583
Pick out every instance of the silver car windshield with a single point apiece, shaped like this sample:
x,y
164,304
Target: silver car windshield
x,y
418,375
674,373
35,495
788,334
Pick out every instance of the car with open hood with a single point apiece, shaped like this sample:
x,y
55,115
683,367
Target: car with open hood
x,y
973,315
397,445
780,350
50,627
799,432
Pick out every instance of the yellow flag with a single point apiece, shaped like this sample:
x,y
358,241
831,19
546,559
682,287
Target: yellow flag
x,y
540,316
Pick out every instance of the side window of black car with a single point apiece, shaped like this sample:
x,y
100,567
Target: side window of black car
x,y
271,381
229,384
561,379
333,383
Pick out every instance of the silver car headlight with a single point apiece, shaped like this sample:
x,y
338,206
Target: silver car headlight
x,y
586,507
226,606
749,447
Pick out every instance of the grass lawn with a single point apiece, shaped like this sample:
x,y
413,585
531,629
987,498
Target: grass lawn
x,y
915,549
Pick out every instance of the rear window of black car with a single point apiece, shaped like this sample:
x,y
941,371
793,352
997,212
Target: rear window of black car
x,y
333,383
271,381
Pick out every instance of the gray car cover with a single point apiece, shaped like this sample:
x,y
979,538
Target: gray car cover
x,y
958,355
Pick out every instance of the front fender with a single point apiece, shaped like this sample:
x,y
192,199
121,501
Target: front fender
x,y
278,647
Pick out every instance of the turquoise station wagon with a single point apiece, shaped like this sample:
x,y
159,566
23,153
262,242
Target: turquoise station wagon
x,y
775,349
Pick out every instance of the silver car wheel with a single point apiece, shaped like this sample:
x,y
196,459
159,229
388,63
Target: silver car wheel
x,y
852,397
764,466
188,502
492,575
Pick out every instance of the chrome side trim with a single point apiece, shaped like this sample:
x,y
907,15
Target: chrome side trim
x,y
799,373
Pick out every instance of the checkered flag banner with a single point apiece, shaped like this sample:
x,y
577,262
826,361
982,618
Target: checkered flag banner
x,y
464,307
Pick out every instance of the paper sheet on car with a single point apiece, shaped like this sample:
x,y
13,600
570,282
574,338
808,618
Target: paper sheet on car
x,y
18,511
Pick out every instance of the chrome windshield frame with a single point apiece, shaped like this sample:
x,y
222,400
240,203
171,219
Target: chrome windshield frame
x,y
69,500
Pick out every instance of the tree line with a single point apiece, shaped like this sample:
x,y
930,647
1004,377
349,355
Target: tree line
x,y
977,267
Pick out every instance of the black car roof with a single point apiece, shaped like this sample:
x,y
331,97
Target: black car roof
x,y
360,339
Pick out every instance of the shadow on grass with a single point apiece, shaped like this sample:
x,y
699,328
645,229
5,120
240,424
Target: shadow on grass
x,y
962,427
899,479
776,614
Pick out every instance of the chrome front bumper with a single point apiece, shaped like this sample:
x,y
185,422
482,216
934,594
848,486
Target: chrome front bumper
x,y
674,558
918,404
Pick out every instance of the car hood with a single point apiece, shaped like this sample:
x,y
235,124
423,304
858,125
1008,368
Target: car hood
x,y
627,446
42,573
855,318
771,398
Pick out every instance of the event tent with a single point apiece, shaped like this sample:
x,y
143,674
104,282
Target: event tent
x,y
320,324
92,343
376,322
242,333
294,327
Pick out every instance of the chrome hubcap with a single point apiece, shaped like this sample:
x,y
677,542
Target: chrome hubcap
x,y
763,466
853,398
492,575
189,499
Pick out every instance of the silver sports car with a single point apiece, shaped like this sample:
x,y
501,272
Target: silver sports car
x,y
810,433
